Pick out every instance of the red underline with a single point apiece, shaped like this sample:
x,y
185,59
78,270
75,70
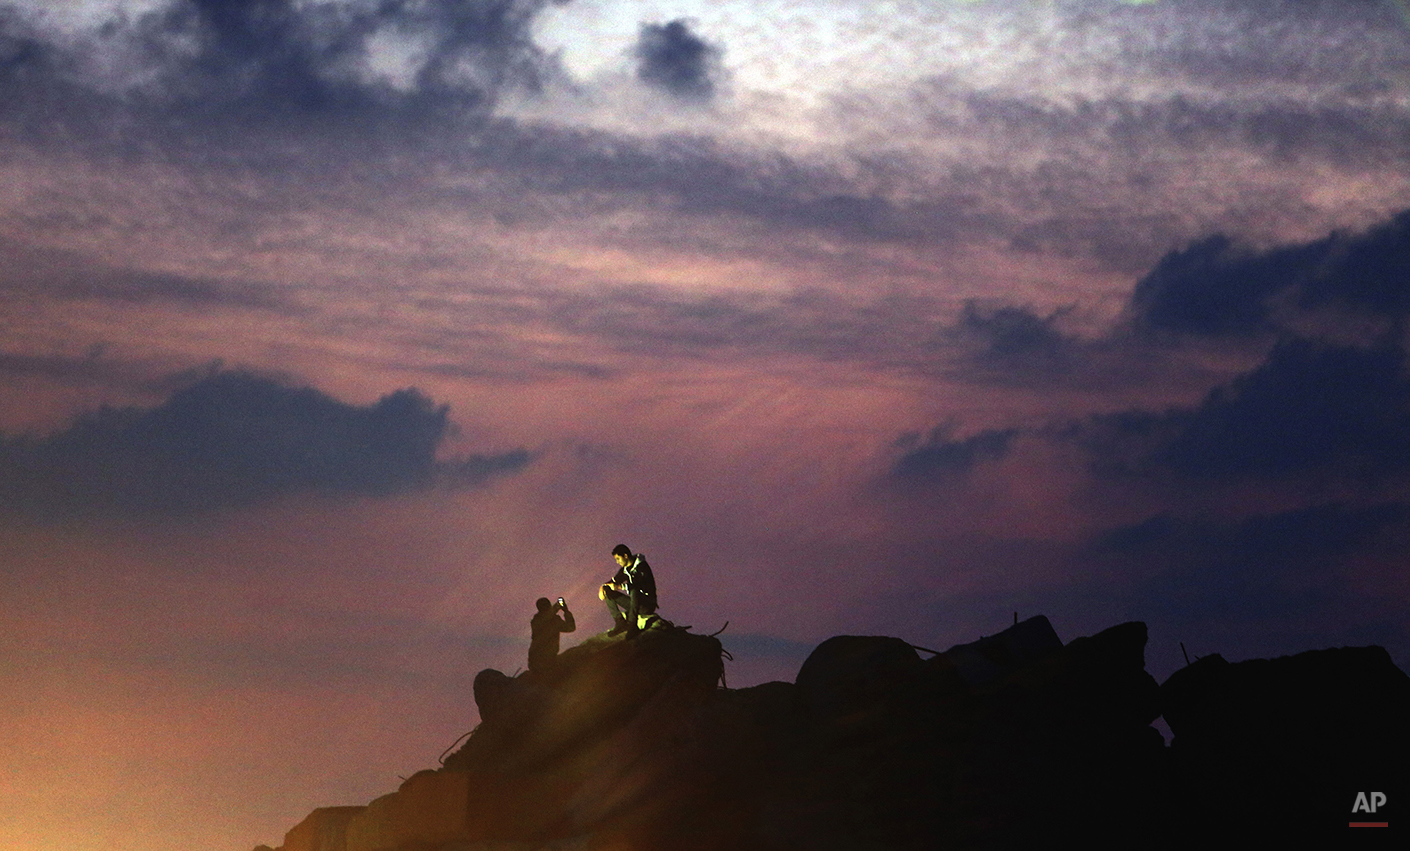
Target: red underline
x,y
1368,824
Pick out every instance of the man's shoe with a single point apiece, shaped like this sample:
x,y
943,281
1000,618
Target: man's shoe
x,y
618,627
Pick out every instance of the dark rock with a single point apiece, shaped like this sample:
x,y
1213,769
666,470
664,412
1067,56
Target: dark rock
x,y
1107,685
1259,741
994,656
428,810
1064,746
324,829
1045,741
850,682
491,688
597,744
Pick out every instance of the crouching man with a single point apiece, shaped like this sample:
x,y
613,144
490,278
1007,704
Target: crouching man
x,y
632,592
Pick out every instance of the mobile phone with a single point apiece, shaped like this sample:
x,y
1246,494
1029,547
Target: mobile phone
x,y
561,604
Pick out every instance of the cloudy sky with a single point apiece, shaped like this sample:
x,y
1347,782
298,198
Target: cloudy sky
x,y
335,332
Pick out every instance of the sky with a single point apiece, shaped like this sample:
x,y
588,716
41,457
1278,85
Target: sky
x,y
336,332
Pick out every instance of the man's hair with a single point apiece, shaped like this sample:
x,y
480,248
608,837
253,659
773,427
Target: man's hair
x,y
544,604
622,550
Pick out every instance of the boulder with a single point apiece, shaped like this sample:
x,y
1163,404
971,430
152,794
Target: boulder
x,y
429,808
491,688
994,656
324,829
1258,740
595,743
852,681
596,690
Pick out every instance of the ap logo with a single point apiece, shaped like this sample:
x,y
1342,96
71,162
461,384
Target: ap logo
x,y
1368,805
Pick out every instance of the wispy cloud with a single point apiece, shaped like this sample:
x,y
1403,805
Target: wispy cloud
x,y
1041,165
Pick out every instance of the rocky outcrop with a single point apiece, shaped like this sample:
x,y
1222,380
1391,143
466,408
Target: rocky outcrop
x,y
1256,741
325,829
911,754
995,656
1011,741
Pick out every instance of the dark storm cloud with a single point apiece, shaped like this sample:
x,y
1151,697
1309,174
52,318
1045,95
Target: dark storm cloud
x,y
940,457
235,438
1370,271
311,56
1348,290
1311,411
34,75
1018,343
672,58
1010,330
23,53
1319,407
1256,547
208,58
266,44
1287,568
1309,407
1003,345
1215,287
1209,288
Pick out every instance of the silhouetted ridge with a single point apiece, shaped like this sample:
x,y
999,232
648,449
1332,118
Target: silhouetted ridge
x,y
1012,741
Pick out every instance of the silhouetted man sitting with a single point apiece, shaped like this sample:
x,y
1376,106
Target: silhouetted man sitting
x,y
545,627
632,592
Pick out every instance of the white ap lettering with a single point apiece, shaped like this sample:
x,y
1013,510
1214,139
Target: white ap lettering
x,y
1362,805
